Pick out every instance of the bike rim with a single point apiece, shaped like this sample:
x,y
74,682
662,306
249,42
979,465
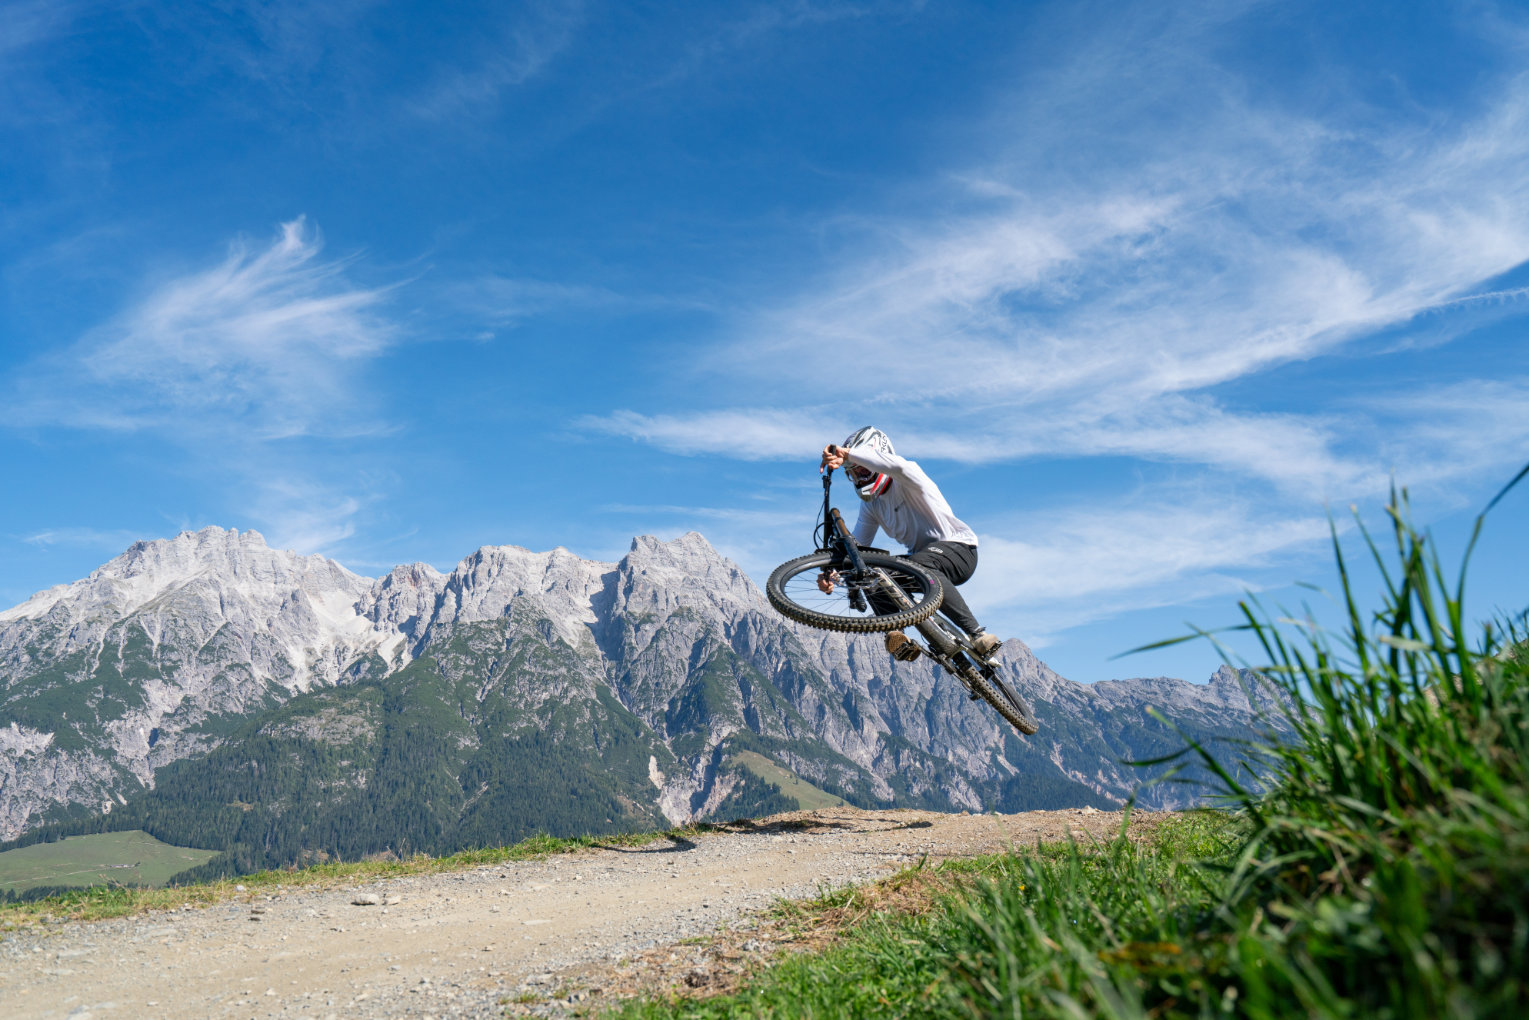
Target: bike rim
x,y
801,588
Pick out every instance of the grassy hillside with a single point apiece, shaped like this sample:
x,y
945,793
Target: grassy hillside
x,y
807,796
115,858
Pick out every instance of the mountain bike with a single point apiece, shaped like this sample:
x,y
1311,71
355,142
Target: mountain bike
x,y
872,590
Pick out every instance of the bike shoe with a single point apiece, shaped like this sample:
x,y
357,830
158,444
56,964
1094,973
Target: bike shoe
x,y
902,649
986,644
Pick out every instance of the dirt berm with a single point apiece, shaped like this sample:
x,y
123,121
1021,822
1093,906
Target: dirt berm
x,y
538,936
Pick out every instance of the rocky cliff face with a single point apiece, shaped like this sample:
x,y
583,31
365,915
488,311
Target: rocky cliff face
x,y
155,656
671,655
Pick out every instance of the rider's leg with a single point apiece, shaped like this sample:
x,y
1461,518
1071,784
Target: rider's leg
x,y
955,562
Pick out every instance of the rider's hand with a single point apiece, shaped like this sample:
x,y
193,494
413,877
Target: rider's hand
x,y
826,583
833,457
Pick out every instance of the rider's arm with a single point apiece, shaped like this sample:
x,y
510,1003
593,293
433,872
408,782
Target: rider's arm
x,y
877,461
865,527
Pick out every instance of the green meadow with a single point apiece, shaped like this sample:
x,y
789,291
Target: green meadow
x,y
113,858
807,796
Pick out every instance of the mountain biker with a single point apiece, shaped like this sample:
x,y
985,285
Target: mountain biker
x,y
902,500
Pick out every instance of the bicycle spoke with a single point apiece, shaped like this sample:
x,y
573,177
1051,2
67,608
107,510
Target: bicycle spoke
x,y
857,602
803,590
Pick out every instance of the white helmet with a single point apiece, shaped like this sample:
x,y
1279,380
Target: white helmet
x,y
867,482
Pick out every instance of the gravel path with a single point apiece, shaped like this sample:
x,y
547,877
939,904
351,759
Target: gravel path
x,y
471,943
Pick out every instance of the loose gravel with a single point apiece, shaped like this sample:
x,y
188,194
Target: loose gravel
x,y
481,942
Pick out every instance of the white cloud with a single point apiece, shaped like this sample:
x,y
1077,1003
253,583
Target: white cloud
x,y
95,538
1462,431
235,365
304,516
29,23
263,345
1159,236
514,53
1092,310
733,514
746,434
508,300
1085,557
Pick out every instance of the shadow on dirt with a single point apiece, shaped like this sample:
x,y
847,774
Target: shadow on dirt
x,y
675,842
674,845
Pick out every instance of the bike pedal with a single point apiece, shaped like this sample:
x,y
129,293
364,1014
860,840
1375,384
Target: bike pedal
x,y
902,649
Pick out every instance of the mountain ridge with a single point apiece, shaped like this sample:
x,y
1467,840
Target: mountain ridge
x,y
166,652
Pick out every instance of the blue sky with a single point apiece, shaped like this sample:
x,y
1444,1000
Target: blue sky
x,y
1148,288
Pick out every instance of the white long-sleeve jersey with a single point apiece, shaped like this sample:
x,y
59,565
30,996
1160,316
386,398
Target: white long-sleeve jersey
x,y
912,510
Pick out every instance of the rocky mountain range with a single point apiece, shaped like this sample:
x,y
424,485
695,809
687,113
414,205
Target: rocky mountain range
x,y
239,697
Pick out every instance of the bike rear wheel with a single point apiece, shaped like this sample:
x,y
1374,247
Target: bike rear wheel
x,y
793,590
996,691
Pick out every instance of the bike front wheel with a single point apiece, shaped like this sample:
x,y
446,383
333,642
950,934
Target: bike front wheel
x,y
793,590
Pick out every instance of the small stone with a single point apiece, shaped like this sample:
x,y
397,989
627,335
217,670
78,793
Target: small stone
x,y
366,899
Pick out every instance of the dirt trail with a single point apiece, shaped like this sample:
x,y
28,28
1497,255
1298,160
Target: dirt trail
x,y
471,943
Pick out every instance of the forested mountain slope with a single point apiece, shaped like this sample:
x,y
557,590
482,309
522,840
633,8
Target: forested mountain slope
x,y
224,694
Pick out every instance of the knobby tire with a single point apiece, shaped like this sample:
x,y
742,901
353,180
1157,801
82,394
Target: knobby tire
x,y
996,693
775,590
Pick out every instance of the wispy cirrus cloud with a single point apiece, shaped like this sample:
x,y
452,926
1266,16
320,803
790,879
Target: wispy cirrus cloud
x,y
500,300
297,513
744,433
1160,236
242,366
93,538
1089,564
263,345
28,23
1098,312
528,39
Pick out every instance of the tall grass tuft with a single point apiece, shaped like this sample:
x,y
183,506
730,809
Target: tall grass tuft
x,y
1380,869
1388,867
